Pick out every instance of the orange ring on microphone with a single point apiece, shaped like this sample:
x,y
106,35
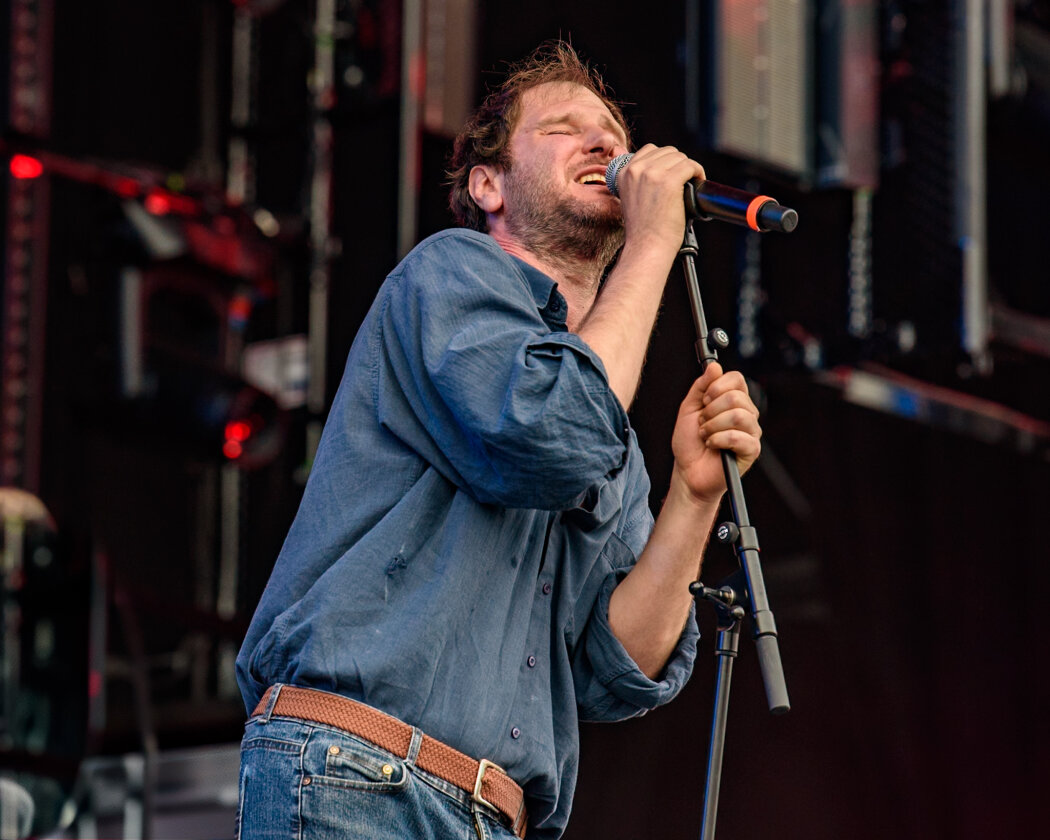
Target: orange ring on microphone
x,y
754,207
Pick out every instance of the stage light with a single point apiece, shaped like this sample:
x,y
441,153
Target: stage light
x,y
158,203
238,430
161,203
25,167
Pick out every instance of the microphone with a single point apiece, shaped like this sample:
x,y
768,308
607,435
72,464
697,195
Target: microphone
x,y
707,200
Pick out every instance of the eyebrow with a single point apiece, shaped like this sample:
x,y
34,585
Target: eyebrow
x,y
567,117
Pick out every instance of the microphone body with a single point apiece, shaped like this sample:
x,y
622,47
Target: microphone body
x,y
707,200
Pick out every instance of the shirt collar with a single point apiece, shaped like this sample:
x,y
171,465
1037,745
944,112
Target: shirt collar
x,y
549,300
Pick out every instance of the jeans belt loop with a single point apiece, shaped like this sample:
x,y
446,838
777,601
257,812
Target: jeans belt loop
x,y
413,746
273,692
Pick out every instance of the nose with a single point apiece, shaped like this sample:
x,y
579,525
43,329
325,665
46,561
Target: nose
x,y
604,141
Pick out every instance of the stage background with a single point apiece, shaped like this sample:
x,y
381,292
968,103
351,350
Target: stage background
x,y
900,505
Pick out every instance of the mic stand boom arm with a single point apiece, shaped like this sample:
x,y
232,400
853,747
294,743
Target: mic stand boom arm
x,y
745,590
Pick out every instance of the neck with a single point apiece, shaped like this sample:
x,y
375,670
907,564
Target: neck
x,y
578,279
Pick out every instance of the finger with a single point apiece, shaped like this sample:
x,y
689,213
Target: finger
x,y
746,446
649,153
672,167
711,374
664,154
693,402
732,381
736,419
660,161
728,401
694,398
643,151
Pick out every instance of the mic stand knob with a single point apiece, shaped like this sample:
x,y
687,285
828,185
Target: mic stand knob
x,y
718,339
727,533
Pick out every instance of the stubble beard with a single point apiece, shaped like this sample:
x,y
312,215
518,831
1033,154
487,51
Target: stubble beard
x,y
561,230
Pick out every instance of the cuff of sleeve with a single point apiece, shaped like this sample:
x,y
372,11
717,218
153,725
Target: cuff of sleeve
x,y
614,667
599,402
598,387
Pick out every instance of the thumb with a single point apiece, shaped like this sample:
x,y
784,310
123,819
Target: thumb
x,y
694,399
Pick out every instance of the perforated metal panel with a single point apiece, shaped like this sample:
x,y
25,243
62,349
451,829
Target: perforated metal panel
x,y
763,69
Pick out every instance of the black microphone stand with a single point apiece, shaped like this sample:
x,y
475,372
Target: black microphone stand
x,y
742,591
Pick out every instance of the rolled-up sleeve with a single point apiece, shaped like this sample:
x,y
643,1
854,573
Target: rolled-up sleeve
x,y
509,409
609,685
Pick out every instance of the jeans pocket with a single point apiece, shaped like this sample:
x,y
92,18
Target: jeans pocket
x,y
351,762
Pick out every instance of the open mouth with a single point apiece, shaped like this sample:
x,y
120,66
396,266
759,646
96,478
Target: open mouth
x,y
592,179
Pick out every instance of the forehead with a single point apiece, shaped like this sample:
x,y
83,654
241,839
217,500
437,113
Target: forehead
x,y
564,101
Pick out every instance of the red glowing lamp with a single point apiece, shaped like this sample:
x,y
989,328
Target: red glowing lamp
x,y
25,167
238,430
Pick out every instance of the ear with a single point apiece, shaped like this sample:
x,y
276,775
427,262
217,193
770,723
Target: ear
x,y
486,188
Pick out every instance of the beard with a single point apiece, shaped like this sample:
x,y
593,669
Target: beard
x,y
558,227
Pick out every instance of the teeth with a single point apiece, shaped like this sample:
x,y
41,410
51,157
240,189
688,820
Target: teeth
x,y
592,178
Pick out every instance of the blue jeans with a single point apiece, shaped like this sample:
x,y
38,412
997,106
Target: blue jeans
x,y
307,781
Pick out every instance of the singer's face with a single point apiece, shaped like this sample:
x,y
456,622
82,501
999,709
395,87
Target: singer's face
x,y
555,187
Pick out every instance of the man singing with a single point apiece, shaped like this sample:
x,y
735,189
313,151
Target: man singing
x,y
474,567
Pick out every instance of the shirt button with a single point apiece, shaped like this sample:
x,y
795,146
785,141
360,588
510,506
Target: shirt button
x,y
547,588
531,661
515,733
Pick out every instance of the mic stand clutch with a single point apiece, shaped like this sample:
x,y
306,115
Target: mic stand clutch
x,y
745,590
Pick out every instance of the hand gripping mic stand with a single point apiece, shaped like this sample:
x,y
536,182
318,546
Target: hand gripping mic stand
x,y
745,589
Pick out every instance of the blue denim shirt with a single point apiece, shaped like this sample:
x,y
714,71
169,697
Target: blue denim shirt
x,y
477,494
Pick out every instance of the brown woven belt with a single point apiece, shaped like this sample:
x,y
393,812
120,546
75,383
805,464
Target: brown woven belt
x,y
486,782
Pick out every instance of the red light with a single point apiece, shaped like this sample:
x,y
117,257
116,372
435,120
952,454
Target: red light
x,y
161,203
126,188
25,167
241,307
238,430
184,205
232,449
158,203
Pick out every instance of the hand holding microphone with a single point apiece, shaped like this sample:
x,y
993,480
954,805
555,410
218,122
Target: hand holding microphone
x,y
708,200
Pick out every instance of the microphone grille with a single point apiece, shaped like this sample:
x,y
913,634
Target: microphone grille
x,y
613,169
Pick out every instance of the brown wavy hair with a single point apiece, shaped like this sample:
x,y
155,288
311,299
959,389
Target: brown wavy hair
x,y
485,139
